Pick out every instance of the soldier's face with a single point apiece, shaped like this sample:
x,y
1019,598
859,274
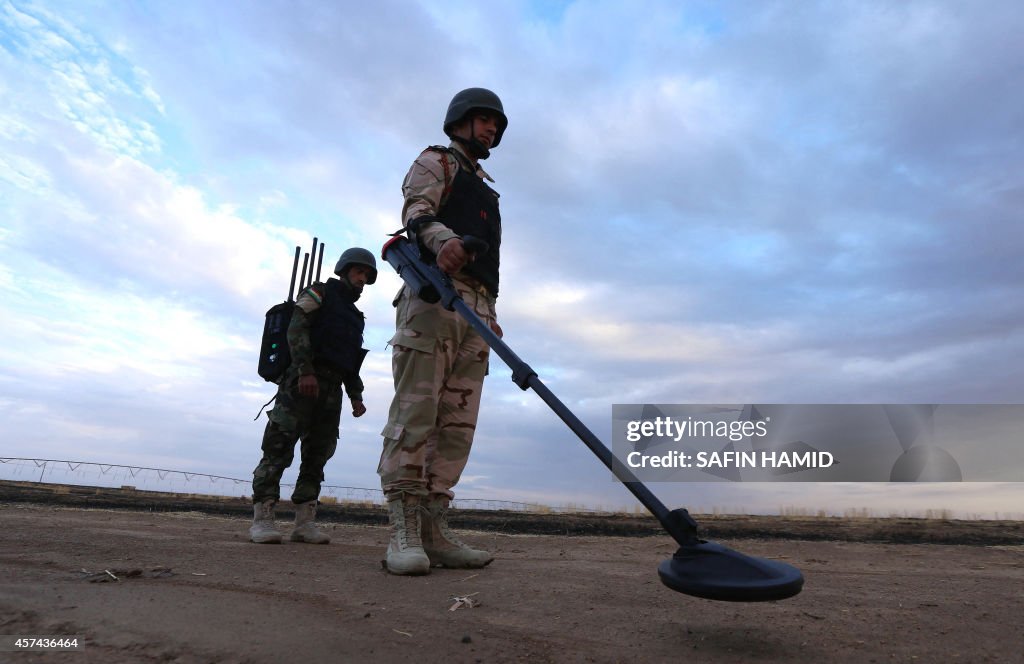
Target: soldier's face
x,y
358,276
483,126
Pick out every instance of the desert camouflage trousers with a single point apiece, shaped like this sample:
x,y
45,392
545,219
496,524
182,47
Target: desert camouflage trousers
x,y
293,418
439,362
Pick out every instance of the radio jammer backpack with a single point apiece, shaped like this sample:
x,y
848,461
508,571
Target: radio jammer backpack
x,y
274,354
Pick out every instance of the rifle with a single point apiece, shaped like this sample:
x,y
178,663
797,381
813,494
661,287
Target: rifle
x,y
699,568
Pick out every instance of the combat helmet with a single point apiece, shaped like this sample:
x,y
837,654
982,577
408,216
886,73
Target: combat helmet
x,y
472,99
357,256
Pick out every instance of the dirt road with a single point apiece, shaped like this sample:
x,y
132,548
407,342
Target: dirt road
x,y
191,588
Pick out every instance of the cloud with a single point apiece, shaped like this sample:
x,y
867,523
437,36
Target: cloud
x,y
699,204
80,77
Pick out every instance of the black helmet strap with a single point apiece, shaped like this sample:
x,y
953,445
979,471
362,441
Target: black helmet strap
x,y
475,147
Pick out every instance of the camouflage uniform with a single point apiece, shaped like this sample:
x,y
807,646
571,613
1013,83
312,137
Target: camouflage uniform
x,y
295,417
438,360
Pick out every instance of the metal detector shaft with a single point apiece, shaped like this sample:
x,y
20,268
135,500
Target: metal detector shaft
x,y
678,524
405,258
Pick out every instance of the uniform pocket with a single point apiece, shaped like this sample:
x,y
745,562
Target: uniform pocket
x,y
393,431
413,340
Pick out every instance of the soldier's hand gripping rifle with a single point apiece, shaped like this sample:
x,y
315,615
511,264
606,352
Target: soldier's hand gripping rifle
x,y
699,568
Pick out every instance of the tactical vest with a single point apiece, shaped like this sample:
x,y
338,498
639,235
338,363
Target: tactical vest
x,y
472,209
337,333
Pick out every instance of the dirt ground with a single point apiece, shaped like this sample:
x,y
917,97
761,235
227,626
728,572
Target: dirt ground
x,y
192,588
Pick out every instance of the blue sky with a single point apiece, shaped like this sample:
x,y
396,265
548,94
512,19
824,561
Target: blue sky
x,y
703,203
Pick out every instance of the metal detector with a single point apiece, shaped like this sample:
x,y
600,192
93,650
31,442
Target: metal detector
x,y
699,568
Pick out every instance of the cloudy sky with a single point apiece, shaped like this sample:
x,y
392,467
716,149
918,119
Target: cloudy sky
x,y
768,202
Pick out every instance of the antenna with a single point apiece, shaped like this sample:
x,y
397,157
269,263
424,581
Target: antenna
x,y
320,261
302,279
312,259
295,268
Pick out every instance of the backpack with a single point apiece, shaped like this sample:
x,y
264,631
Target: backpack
x,y
274,353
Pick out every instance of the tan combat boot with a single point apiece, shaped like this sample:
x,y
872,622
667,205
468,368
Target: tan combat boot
x,y
442,546
263,530
405,551
305,528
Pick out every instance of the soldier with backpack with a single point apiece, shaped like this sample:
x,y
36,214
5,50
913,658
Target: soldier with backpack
x,y
325,337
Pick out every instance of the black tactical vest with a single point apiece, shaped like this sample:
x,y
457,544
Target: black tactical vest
x,y
472,209
337,333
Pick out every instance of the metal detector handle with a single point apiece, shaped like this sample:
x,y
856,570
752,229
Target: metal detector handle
x,y
404,256
475,245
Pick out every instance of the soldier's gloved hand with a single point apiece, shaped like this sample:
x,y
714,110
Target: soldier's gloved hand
x,y
358,409
309,386
453,256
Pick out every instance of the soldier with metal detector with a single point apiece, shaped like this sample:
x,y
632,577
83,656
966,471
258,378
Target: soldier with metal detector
x,y
325,336
438,360
699,568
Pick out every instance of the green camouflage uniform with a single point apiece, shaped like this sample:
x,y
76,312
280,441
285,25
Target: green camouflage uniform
x,y
295,417
438,361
